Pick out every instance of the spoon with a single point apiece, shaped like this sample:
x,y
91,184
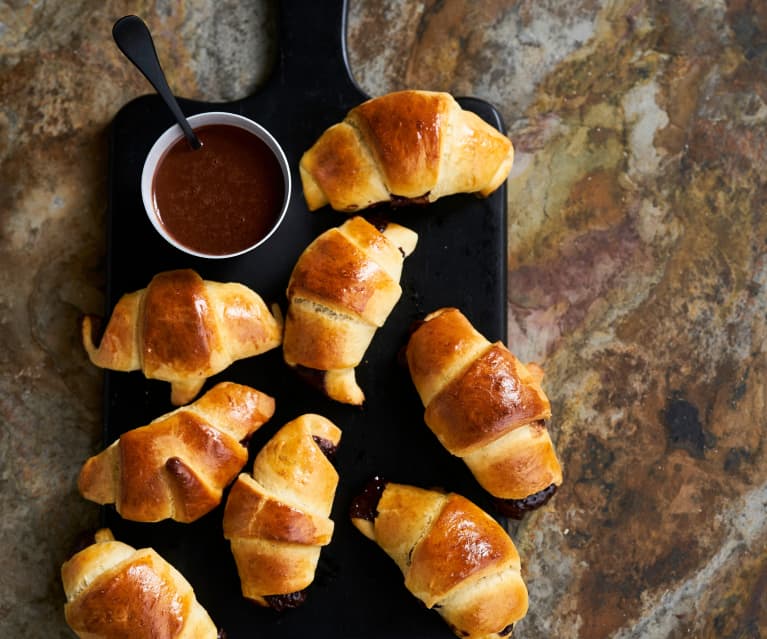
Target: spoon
x,y
133,38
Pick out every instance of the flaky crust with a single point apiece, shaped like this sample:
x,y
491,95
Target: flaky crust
x,y
278,519
484,405
177,466
183,329
341,290
454,557
117,592
411,145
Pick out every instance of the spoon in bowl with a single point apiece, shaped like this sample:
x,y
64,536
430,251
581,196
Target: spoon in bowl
x,y
133,38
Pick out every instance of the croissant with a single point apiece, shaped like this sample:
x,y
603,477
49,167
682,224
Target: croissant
x,y
183,329
115,591
486,407
411,146
455,558
178,465
343,287
277,520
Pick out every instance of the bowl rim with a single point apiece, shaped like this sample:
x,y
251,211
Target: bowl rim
x,y
171,135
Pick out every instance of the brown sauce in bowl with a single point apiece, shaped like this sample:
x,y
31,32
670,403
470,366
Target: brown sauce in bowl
x,y
222,198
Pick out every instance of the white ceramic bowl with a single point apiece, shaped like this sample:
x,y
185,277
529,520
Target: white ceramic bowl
x,y
171,136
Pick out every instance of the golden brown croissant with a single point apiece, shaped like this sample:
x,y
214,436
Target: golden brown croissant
x,y
183,329
117,592
343,287
455,558
177,466
278,519
408,145
486,407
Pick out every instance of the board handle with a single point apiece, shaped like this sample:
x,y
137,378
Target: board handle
x,y
312,45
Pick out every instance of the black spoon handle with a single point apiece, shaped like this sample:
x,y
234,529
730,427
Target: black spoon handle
x,y
133,38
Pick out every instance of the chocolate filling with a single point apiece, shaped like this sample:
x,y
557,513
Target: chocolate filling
x,y
379,221
365,505
327,447
313,376
506,632
175,466
184,478
280,603
518,508
381,224
399,200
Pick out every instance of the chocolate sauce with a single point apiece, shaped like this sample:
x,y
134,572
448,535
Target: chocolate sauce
x,y
280,603
223,197
517,508
365,505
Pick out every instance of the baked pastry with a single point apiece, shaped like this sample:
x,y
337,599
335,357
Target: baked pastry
x,y
407,146
117,592
454,557
183,329
486,407
178,465
278,519
343,287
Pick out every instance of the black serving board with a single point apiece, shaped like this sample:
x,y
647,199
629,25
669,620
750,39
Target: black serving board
x,y
460,261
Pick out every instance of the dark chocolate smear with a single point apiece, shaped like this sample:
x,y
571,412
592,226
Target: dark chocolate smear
x,y
327,447
518,508
365,504
399,200
379,221
312,376
281,603
181,473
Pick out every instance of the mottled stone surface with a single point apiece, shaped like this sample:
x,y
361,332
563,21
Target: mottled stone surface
x,y
637,276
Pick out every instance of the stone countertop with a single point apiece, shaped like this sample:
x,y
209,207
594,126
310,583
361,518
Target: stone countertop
x,y
637,276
